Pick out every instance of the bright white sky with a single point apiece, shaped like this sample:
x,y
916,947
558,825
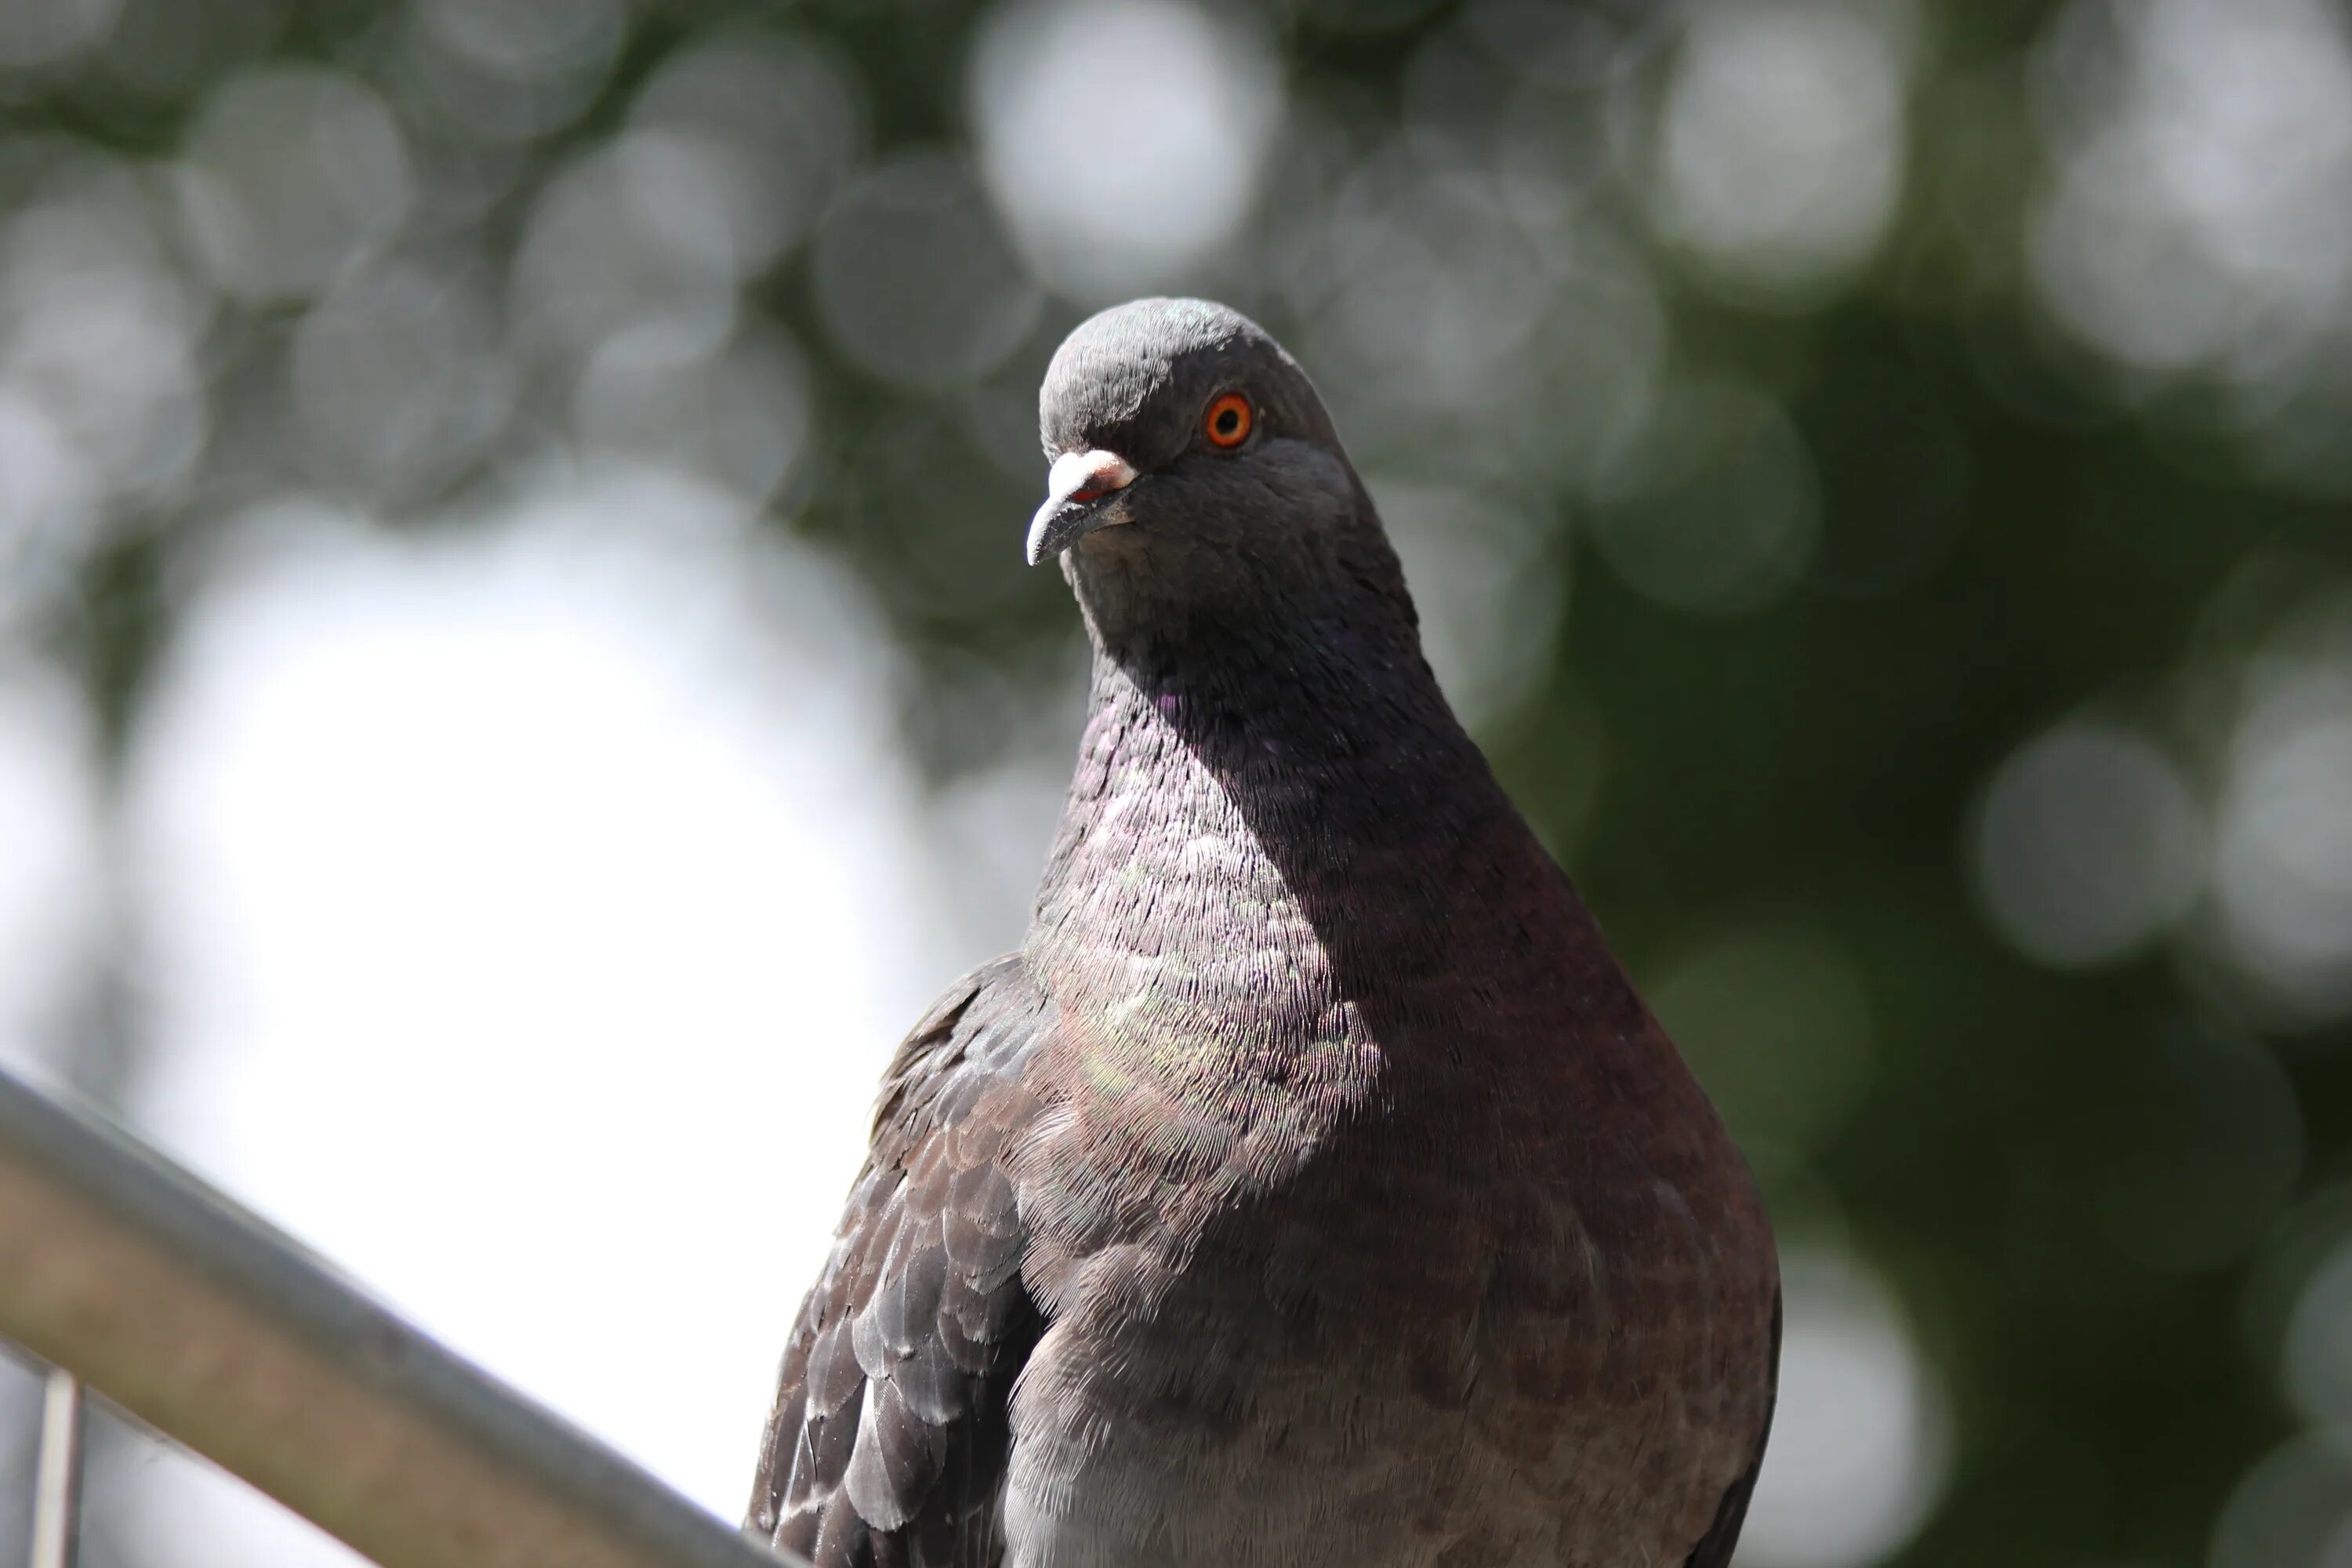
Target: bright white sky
x,y
529,915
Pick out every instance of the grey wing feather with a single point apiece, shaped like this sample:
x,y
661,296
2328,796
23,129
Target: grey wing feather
x,y
1714,1549
887,1443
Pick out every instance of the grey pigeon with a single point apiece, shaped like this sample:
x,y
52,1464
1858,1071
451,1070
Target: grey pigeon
x,y
1312,1189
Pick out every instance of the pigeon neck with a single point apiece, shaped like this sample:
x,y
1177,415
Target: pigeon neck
x,y
1282,827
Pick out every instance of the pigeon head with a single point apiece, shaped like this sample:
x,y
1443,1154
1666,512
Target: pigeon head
x,y
1191,461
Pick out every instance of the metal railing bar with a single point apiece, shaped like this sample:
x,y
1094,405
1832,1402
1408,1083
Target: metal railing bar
x,y
56,1474
220,1332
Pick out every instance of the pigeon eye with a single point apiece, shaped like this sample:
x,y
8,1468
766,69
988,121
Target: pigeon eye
x,y
1228,420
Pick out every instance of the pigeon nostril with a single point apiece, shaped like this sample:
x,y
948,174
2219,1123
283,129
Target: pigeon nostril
x,y
1076,481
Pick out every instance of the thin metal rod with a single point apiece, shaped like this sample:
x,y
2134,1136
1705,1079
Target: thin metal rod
x,y
194,1316
57,1479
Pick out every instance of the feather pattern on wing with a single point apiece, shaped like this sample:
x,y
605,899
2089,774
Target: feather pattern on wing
x,y
887,1443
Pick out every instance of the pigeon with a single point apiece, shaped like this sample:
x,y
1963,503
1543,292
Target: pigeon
x,y
1312,1187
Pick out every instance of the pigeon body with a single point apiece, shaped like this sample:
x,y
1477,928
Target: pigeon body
x,y
1312,1188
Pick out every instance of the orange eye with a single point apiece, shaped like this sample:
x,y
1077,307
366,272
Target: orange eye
x,y
1228,419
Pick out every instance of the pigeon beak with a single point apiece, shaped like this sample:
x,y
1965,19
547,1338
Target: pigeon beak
x,y
1076,501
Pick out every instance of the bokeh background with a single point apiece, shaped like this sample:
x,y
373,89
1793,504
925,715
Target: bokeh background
x,y
517,681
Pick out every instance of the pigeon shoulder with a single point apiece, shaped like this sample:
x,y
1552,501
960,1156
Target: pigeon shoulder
x,y
887,1442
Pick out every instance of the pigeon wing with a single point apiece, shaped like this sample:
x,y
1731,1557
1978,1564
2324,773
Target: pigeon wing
x,y
887,1444
1714,1548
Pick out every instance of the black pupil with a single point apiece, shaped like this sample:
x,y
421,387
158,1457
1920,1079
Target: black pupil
x,y
1227,419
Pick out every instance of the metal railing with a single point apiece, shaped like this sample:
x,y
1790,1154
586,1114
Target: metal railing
x,y
131,1277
